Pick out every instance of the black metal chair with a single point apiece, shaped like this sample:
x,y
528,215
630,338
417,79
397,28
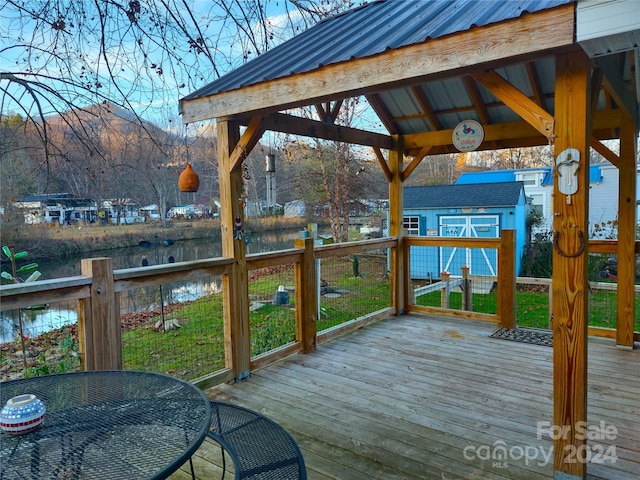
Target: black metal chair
x,y
258,446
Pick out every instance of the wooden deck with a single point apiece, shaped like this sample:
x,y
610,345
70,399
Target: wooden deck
x,y
431,398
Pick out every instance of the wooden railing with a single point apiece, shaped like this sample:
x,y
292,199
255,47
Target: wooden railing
x,y
506,273
97,293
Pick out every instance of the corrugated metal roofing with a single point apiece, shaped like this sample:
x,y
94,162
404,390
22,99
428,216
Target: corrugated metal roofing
x,y
369,30
498,176
504,194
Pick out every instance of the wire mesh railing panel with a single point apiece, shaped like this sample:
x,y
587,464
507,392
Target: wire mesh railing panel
x,y
456,278
532,304
174,328
39,340
352,286
272,314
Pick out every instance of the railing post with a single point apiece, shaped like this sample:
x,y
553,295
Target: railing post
x,y
99,330
466,289
306,296
444,292
506,308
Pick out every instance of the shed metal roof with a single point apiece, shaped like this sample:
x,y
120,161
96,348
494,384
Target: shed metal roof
x,y
501,194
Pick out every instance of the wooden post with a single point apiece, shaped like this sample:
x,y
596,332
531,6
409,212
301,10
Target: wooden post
x,y
626,232
444,292
99,330
398,270
506,308
235,286
466,289
306,296
570,254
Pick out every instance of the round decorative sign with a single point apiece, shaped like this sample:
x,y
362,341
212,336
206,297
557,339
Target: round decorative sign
x,y
467,136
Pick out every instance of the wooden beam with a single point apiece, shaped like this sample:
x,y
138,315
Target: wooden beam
x,y
415,162
532,113
534,80
306,296
383,164
535,32
383,113
615,85
99,332
279,122
569,281
603,150
249,139
512,132
235,286
335,110
626,232
506,308
476,99
427,109
397,261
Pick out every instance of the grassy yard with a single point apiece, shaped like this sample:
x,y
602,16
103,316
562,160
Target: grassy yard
x,y
532,308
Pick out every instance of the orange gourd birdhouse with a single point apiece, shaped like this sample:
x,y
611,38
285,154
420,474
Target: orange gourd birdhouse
x,y
188,180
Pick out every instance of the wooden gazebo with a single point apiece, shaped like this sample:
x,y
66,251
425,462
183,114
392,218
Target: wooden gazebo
x,y
538,72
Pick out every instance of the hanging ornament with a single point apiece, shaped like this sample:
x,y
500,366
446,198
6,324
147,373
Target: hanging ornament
x,y
188,180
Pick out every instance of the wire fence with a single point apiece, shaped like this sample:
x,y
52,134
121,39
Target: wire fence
x,y
352,286
454,278
174,328
178,328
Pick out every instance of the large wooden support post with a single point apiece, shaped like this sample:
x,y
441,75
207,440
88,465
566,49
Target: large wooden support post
x,y
569,278
306,296
506,308
626,232
99,330
398,269
235,286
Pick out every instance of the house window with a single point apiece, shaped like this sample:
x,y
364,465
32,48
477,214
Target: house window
x,y
529,179
537,203
411,225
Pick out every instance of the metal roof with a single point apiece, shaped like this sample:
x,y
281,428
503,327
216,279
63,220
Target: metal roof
x,y
504,194
369,30
498,176
429,102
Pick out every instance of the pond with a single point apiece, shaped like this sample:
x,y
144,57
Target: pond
x,y
40,320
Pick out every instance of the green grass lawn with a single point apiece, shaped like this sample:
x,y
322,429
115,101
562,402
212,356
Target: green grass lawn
x,y
532,308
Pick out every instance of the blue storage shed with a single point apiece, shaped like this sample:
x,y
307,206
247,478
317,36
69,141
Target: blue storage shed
x,y
470,210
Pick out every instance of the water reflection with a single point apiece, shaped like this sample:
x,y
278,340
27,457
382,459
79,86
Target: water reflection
x,y
57,316
35,322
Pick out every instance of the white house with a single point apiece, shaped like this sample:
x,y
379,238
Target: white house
x,y
538,186
61,208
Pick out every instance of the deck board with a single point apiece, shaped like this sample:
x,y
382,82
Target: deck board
x,y
401,399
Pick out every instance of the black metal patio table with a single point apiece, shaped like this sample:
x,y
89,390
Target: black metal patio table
x,y
106,425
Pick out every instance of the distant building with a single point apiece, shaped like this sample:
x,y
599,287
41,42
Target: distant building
x,y
470,211
122,210
294,209
538,186
62,208
190,211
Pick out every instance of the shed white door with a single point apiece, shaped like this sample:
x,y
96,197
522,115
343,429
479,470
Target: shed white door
x,y
481,261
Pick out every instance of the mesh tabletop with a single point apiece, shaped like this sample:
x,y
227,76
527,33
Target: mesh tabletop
x,y
106,425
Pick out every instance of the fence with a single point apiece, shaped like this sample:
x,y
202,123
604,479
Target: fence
x,y
170,318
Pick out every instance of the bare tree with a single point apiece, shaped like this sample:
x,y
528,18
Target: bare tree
x,y
64,56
